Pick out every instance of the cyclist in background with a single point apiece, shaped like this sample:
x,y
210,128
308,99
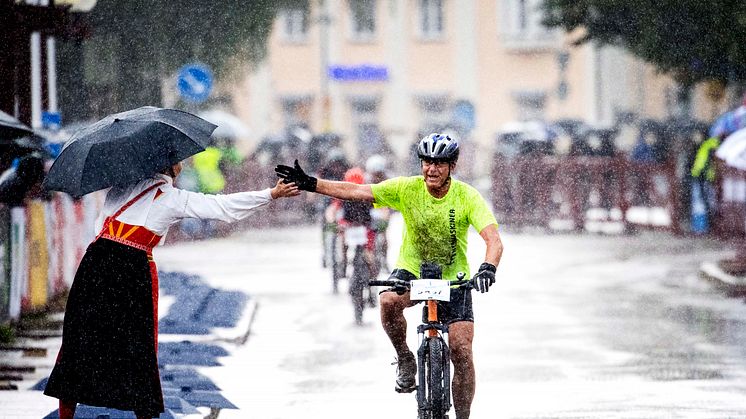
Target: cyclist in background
x,y
354,214
375,172
437,212
334,166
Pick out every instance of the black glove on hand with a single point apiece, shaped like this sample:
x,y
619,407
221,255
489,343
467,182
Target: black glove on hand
x,y
296,175
484,277
401,288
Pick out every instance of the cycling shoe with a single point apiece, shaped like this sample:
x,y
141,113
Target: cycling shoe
x,y
405,373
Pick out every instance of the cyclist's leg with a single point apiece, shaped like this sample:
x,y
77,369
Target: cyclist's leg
x,y
392,313
395,325
459,315
460,337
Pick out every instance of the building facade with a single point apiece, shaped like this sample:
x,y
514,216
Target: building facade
x,y
387,70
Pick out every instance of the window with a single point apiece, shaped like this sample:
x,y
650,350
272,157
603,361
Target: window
x,y
431,19
522,27
370,139
530,104
296,109
363,19
294,21
434,111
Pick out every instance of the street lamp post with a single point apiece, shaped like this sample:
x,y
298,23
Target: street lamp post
x,y
22,25
324,22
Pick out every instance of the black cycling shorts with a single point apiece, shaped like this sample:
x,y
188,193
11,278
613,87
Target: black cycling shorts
x,y
457,310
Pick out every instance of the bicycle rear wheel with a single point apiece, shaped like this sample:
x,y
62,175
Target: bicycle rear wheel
x,y
338,261
435,364
358,282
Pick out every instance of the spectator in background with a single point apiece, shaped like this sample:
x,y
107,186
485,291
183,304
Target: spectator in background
x,y
373,141
641,154
580,146
605,147
230,164
334,168
335,165
210,180
318,146
375,172
22,180
691,139
703,185
504,177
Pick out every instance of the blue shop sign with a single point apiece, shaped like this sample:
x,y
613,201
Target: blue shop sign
x,y
364,72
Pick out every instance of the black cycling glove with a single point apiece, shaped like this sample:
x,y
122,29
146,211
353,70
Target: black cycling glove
x,y
296,175
484,277
402,287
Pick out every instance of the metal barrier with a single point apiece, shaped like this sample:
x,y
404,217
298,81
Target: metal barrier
x,y
550,191
42,244
730,212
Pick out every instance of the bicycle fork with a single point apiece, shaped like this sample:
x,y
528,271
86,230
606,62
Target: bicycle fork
x,y
433,336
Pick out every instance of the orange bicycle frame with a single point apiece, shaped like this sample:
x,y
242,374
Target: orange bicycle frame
x,y
432,316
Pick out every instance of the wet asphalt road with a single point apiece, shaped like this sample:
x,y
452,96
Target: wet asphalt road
x,y
578,326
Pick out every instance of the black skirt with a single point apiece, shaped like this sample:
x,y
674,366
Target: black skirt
x,y
108,355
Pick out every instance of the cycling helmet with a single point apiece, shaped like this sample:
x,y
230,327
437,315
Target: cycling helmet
x,y
375,164
355,175
439,147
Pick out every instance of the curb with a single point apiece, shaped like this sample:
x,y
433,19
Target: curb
x,y
237,335
733,286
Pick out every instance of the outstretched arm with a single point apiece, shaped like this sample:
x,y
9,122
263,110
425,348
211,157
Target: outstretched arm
x,y
344,190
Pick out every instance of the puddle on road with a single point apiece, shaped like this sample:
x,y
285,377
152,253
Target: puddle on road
x,y
667,341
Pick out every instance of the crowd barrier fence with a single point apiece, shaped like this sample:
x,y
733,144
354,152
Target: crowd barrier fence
x,y
572,191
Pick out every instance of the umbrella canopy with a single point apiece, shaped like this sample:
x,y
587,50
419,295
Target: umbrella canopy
x,y
125,148
733,150
229,125
10,127
729,122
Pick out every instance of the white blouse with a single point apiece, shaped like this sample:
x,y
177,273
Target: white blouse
x,y
157,214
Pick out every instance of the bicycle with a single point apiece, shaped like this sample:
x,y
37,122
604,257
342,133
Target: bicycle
x,y
433,354
356,237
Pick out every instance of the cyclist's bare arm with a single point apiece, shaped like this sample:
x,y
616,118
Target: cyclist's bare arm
x,y
345,190
491,238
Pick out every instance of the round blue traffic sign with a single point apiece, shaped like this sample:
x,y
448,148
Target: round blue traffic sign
x,y
195,82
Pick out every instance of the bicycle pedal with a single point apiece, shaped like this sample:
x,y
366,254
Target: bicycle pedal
x,y
405,389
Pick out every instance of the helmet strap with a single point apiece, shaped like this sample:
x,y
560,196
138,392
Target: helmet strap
x,y
448,178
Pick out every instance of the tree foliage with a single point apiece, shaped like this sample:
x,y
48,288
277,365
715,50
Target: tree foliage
x,y
169,34
137,43
693,40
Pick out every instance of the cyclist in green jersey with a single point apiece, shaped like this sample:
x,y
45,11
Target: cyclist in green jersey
x,y
437,212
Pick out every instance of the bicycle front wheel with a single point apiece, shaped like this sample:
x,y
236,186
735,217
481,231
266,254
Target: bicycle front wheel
x,y
358,282
436,363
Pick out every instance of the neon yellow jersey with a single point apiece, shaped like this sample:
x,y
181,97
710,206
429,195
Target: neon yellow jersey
x,y
435,229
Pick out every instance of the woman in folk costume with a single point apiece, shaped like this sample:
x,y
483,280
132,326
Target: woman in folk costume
x,y
110,335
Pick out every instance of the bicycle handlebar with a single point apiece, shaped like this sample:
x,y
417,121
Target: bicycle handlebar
x,y
406,284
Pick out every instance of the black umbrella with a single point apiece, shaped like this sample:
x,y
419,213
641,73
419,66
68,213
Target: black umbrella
x,y
10,127
127,147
